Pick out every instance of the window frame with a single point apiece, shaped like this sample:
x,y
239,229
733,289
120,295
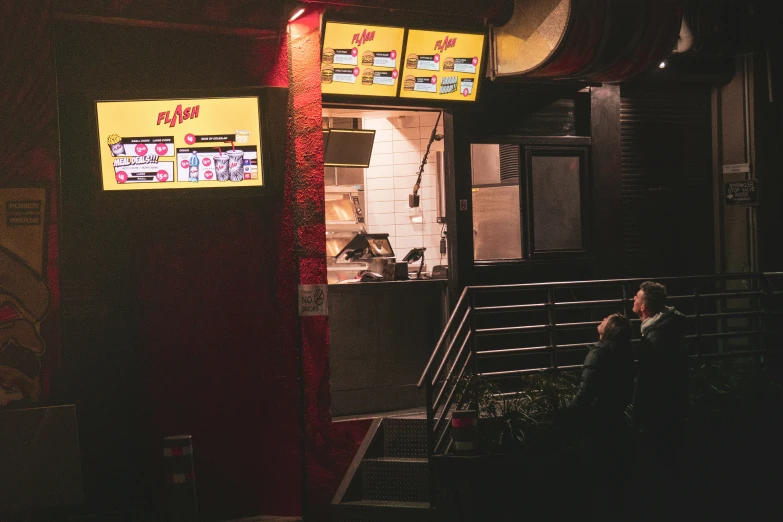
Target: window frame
x,y
527,207
558,146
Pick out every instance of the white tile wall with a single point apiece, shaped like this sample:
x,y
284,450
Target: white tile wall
x,y
400,143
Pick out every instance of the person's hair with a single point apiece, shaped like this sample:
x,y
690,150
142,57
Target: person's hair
x,y
654,296
617,329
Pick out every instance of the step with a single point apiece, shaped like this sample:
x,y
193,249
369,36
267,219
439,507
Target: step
x,y
381,511
395,479
405,436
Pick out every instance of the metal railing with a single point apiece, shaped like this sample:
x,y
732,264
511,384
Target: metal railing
x,y
498,332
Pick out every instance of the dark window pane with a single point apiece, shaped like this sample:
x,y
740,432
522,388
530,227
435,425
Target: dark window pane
x,y
557,203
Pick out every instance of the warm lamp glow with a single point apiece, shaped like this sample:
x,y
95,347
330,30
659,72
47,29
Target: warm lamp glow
x,y
299,12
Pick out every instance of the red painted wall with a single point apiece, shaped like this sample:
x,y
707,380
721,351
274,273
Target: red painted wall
x,y
215,329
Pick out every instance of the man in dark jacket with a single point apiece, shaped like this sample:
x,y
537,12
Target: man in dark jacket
x,y
661,397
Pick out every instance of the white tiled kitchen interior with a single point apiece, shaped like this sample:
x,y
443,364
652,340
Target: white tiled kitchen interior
x,y
400,142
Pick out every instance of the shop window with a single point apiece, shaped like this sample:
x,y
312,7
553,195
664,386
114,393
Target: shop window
x,y
536,208
497,231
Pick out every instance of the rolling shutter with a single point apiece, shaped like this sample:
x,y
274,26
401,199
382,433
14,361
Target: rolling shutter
x,y
667,179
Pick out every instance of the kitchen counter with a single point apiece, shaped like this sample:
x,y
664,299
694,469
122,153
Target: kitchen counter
x,y
381,336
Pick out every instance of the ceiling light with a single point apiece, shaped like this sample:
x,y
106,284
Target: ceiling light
x,y
298,11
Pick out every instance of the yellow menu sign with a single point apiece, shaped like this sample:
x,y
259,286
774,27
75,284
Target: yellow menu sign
x,y
442,65
180,143
361,60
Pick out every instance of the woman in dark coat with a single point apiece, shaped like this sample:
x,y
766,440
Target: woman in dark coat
x,y
604,394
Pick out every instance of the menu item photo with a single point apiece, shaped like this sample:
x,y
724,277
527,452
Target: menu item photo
x,y
368,58
327,56
367,77
327,74
412,62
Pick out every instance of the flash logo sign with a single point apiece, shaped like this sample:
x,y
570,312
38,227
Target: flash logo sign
x,y
179,115
363,37
445,44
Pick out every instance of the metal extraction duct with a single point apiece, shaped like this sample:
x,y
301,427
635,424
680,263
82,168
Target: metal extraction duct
x,y
593,40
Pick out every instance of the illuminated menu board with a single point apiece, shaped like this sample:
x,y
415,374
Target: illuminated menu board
x,y
441,65
361,60
180,143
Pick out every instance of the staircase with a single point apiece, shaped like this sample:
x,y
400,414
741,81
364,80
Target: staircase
x,y
388,480
504,332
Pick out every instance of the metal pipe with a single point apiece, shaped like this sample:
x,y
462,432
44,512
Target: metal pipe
x,y
440,187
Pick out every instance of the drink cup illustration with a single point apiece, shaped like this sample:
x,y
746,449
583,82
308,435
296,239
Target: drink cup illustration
x,y
115,145
221,167
236,170
193,171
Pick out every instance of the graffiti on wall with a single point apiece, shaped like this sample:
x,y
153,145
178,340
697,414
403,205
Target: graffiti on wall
x,y
24,294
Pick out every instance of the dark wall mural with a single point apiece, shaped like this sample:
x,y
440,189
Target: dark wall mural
x,y
29,273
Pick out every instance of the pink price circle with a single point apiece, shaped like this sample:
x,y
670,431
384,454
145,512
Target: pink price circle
x,y
395,74
436,58
354,52
121,177
356,71
162,149
465,92
434,79
206,162
184,164
393,55
141,149
475,60
208,174
162,175
190,139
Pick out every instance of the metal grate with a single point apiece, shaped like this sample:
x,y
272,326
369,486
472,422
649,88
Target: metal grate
x,y
405,437
509,164
395,479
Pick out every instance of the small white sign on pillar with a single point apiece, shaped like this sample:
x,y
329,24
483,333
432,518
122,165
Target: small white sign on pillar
x,y
737,168
312,300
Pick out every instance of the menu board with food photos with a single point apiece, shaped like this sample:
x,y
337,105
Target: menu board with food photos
x,y
442,65
180,143
361,59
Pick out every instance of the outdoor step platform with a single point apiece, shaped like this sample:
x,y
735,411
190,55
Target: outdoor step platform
x,y
395,478
382,511
405,436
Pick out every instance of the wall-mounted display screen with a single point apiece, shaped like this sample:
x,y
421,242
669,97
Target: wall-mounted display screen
x,y
348,148
180,143
440,65
361,60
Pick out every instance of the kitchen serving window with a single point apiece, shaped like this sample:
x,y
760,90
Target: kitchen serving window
x,y
529,201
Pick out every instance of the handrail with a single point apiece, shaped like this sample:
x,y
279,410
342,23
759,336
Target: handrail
x,y
442,337
519,286
711,309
